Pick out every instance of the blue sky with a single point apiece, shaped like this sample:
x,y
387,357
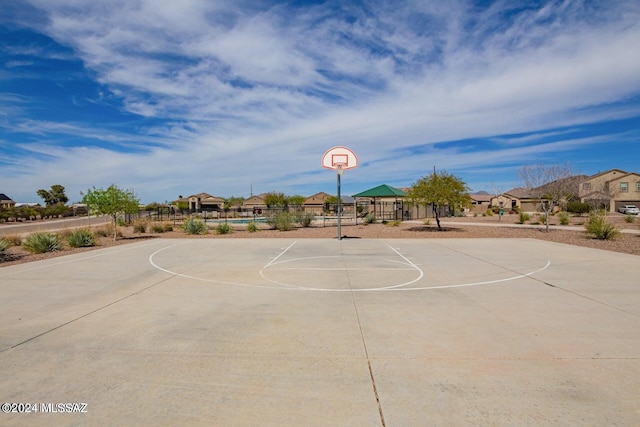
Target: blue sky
x,y
174,98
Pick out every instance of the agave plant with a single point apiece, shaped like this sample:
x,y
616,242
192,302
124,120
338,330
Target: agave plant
x,y
195,226
39,243
81,239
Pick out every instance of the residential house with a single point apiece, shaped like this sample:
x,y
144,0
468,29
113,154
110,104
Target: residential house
x,y
480,202
255,202
517,198
611,189
528,200
204,202
6,202
316,203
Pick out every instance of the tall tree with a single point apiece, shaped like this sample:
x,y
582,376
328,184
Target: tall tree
x,y
113,201
440,189
54,196
275,200
296,200
552,185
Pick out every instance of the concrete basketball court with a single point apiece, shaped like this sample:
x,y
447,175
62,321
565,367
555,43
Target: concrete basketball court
x,y
321,332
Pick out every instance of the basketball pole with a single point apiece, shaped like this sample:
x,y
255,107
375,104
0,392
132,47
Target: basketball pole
x,y
339,205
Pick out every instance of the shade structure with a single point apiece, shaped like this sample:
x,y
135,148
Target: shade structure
x,y
383,190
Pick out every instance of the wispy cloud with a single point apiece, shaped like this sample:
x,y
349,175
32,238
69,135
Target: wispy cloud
x,y
212,96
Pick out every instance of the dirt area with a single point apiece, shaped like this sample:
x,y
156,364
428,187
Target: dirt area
x,y
465,227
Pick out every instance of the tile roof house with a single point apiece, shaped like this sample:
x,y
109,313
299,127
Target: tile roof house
x,y
5,201
611,189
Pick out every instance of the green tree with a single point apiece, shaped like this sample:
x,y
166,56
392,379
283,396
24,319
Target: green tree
x,y
233,202
296,200
276,200
113,201
54,196
440,189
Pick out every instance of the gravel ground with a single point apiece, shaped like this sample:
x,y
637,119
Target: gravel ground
x,y
453,228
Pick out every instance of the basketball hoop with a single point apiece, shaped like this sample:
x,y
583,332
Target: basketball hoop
x,y
339,159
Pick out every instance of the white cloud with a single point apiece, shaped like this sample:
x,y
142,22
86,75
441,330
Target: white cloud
x,y
262,92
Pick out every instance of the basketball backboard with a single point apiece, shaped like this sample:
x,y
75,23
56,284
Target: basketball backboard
x,y
339,158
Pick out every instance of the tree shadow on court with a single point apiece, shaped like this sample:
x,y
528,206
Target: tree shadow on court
x,y
435,229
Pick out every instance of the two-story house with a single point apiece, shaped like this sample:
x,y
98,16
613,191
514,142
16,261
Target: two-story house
x,y
611,189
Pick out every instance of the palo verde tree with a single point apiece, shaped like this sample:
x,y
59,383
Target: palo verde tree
x,y
440,189
276,200
113,201
551,185
297,201
54,196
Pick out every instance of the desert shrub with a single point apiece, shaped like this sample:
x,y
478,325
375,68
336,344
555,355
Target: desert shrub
x,y
223,228
427,221
564,218
140,227
106,231
370,219
523,217
305,219
13,239
168,227
629,219
284,221
121,222
394,223
81,239
578,208
600,227
195,226
4,245
252,227
158,228
39,243
489,212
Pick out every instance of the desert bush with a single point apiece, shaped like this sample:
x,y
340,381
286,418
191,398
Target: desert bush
x,y
39,243
195,226
489,212
252,227
223,228
168,227
140,227
523,217
305,219
13,239
629,219
564,218
81,238
394,223
282,221
102,232
600,227
370,219
158,228
578,208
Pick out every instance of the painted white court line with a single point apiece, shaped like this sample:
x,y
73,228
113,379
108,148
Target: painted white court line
x,y
281,253
276,265
69,261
